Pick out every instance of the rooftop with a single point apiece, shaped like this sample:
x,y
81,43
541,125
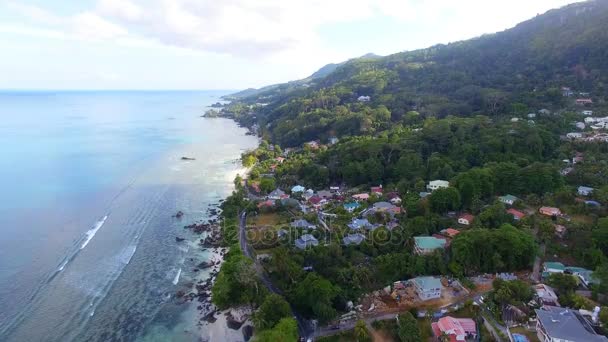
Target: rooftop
x,y
566,324
510,198
428,282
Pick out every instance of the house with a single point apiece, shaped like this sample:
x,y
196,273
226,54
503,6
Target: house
x,y
317,202
517,215
437,184
297,188
584,102
550,211
557,324
508,199
545,295
333,140
308,194
281,233
560,230
280,160
383,206
357,224
553,267
306,241
590,120
585,275
566,91
312,144
580,125
428,244
353,239
531,115
574,135
325,194
377,190
466,219
352,206
427,287
587,112
364,98
450,232
457,329
514,119
544,111
584,190
361,197
423,194
334,188
302,223
276,194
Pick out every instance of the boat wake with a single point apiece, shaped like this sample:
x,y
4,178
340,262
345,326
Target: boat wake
x,y
91,232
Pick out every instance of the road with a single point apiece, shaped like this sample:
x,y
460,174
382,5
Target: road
x,y
305,327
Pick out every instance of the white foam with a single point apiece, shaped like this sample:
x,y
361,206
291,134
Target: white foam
x,y
176,279
91,232
63,265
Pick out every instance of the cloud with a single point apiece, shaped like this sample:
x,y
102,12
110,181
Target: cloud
x,y
269,29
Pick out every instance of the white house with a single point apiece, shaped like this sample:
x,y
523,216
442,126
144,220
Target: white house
x,y
437,184
587,112
574,135
580,125
514,119
298,188
466,219
531,115
427,287
364,99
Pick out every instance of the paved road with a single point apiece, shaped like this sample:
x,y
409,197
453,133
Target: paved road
x,y
305,327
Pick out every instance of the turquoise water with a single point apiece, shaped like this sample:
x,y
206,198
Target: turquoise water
x,y
89,183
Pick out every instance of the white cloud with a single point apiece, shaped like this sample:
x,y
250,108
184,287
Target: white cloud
x,y
123,9
89,25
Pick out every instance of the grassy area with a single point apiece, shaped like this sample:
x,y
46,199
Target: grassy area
x,y
532,337
426,331
270,219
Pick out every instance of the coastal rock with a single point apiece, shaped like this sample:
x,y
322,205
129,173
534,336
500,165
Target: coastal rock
x,y
179,214
204,265
179,239
188,158
247,332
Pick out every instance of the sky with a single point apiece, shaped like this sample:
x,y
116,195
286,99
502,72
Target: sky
x,y
224,44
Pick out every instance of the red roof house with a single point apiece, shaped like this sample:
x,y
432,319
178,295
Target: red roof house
x,y
450,232
458,329
466,219
377,190
550,211
517,215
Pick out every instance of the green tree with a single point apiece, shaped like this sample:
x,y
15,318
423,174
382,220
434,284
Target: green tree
x,y
267,184
314,296
443,200
361,333
407,328
564,283
285,331
272,310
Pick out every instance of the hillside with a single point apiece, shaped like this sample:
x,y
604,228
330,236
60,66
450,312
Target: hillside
x,y
509,72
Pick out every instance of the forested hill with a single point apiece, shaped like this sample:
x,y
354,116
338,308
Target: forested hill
x,y
506,73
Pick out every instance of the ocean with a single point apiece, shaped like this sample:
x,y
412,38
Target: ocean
x,y
89,183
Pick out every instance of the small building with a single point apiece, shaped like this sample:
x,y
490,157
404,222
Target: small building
x,y
383,206
557,324
508,199
550,211
450,232
544,111
560,231
585,275
428,244
352,206
266,204
423,194
306,241
584,190
587,112
437,184
514,119
361,197
427,288
376,190
531,115
545,295
302,223
466,219
517,215
313,144
333,140
566,91
456,329
584,102
364,98
281,233
276,194
574,135
279,160
297,188
580,125
353,239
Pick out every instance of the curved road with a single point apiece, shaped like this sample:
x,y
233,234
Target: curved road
x,y
305,327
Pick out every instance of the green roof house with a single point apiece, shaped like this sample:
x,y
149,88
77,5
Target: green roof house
x,y
508,199
427,287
